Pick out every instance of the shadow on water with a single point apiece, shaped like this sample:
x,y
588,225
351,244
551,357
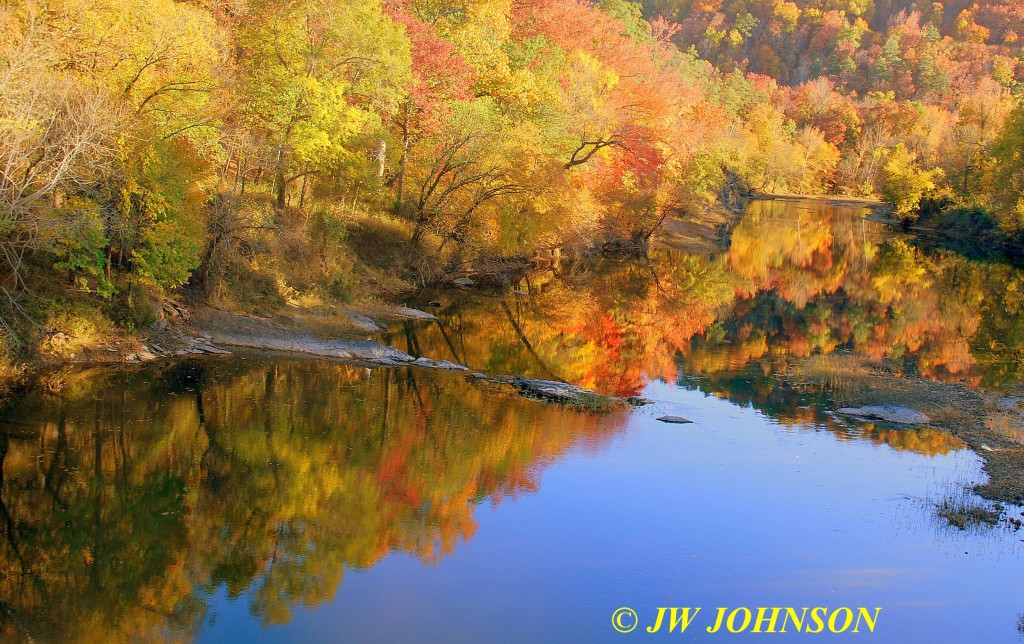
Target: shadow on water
x,y
969,232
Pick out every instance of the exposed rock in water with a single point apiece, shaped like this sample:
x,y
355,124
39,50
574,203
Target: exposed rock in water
x,y
256,333
209,348
184,345
364,322
367,351
464,282
144,355
560,392
677,420
887,413
415,314
439,364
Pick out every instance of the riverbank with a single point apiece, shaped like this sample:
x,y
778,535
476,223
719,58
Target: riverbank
x,y
990,423
795,277
344,335
971,232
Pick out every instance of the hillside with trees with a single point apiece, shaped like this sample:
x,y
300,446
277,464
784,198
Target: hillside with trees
x,y
914,95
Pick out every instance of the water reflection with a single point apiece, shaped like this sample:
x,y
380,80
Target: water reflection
x,y
130,502
130,499
805,407
799,279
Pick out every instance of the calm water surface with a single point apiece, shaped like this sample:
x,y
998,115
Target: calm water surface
x,y
263,498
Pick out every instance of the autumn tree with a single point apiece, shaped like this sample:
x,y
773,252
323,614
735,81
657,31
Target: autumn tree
x,y
905,183
315,75
1007,180
466,172
56,138
439,77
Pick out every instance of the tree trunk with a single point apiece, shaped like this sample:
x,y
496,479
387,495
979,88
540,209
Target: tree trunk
x,y
302,193
381,157
279,181
282,189
405,158
417,234
401,172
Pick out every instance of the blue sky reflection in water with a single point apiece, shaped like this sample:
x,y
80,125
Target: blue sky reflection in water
x,y
733,510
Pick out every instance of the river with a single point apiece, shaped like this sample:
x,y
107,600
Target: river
x,y
266,497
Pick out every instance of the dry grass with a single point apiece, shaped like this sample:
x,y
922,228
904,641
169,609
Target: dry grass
x,y
835,372
964,510
380,242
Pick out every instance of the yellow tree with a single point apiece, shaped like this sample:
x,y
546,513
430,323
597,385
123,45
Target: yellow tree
x,y
315,74
905,183
56,136
98,98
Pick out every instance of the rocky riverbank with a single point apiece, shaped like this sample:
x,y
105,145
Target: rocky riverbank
x,y
990,423
232,330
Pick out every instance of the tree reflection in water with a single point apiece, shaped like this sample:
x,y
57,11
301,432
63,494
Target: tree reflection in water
x,y
799,278
129,500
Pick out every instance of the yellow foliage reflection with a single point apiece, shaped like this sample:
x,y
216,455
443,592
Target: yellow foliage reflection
x,y
130,500
800,278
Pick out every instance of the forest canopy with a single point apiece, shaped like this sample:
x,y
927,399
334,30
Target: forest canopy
x,y
254,152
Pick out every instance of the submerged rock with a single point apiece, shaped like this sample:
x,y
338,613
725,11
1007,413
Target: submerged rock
x,y
676,420
888,413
